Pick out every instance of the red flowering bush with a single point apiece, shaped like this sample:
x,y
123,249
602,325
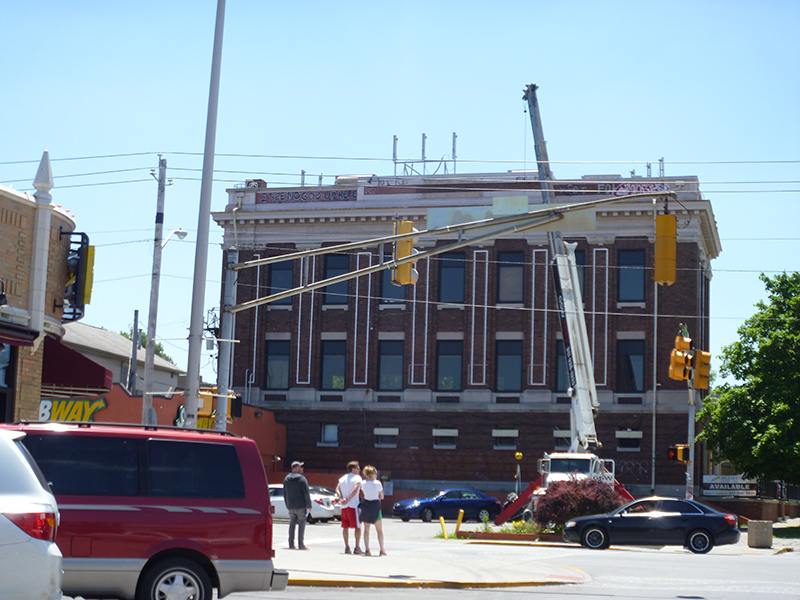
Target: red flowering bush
x,y
565,500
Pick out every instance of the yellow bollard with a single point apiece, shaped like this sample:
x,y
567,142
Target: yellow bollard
x,y
460,518
444,529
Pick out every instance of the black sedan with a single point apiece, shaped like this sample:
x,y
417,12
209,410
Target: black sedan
x,y
656,522
447,503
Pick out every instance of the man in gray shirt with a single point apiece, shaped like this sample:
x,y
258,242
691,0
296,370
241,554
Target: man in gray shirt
x,y
298,502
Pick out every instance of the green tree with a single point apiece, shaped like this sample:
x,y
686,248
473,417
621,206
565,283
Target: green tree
x,y
755,422
159,349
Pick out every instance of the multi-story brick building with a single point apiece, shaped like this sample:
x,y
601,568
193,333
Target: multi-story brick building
x,y
447,379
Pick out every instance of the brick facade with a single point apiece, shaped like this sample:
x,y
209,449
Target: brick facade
x,y
470,417
19,398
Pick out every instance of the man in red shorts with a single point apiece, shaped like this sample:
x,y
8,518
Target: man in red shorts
x,y
347,490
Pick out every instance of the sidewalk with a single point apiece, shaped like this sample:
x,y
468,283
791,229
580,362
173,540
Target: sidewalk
x,y
455,564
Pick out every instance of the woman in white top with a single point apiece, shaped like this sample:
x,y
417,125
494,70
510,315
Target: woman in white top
x,y
372,494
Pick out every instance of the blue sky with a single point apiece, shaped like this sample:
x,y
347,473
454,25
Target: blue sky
x,y
710,86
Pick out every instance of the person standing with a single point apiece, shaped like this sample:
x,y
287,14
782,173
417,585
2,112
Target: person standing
x,y
298,502
348,490
372,491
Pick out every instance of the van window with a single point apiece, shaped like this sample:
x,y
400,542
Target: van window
x,y
89,466
194,470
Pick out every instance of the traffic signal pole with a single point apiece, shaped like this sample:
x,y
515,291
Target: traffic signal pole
x,y
690,463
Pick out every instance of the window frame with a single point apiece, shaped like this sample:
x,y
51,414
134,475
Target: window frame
x,y
327,354
337,294
631,280
499,370
440,355
383,346
389,292
634,369
279,270
269,354
452,277
508,263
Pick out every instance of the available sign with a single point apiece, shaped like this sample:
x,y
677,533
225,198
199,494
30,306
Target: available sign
x,y
729,485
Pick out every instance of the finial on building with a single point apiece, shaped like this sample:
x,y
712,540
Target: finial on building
x,y
44,180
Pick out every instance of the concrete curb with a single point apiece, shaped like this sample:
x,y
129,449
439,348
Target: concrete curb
x,y
451,585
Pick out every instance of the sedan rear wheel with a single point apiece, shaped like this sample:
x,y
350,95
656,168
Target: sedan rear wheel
x,y
483,515
426,514
595,537
699,541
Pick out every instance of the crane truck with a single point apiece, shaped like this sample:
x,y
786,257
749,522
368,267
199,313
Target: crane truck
x,y
578,462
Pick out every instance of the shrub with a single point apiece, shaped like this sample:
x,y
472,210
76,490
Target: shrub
x,y
564,500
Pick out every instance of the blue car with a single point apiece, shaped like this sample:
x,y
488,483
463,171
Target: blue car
x,y
447,503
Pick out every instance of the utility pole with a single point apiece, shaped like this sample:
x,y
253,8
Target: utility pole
x,y
226,341
148,414
134,352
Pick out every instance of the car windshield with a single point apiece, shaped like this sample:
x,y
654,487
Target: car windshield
x,y
569,465
431,495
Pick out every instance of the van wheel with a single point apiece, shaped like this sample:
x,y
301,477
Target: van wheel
x,y
174,579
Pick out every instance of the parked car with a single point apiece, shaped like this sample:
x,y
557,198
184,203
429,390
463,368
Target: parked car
x,y
326,491
656,522
321,505
30,561
155,512
447,503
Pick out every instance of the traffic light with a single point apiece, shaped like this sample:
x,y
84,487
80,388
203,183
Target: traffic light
x,y
680,453
666,244
404,274
680,359
702,370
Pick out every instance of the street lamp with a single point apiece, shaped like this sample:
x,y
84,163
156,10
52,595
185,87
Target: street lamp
x,y
149,416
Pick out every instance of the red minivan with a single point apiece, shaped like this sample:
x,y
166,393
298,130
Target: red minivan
x,y
155,513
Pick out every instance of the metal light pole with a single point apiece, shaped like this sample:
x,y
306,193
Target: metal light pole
x,y
201,251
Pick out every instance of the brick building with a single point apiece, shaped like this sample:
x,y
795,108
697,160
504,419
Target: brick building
x,y
447,379
37,239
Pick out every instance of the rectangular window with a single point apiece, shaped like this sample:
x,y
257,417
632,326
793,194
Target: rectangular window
x,y
329,434
451,277
631,279
281,278
444,439
505,439
449,355
580,263
629,441
333,363
509,366
630,366
385,437
194,470
510,277
391,293
562,371
277,371
390,364
335,265
87,466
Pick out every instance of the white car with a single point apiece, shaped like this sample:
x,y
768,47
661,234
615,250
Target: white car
x,y
321,506
335,500
30,561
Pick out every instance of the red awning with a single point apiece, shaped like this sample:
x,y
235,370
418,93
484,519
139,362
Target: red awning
x,y
67,372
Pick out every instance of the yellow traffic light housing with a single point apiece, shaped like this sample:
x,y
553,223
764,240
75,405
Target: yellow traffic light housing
x,y
702,370
404,274
680,359
665,251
